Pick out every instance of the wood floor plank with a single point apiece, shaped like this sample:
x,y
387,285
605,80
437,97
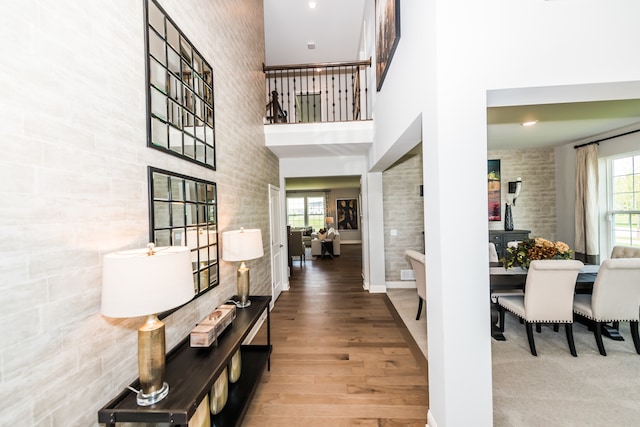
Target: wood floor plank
x,y
341,356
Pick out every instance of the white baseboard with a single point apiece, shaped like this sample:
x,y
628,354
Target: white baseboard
x,y
401,284
381,289
431,422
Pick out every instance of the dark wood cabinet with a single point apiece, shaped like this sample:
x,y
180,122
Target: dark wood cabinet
x,y
500,238
191,372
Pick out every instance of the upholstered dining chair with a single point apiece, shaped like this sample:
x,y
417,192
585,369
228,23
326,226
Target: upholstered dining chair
x,y
548,298
417,264
296,246
493,253
615,298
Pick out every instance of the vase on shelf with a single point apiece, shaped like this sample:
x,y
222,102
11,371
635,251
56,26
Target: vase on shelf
x,y
508,218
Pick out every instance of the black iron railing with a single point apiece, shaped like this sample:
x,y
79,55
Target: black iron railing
x,y
328,92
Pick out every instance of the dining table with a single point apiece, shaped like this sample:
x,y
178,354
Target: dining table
x,y
503,280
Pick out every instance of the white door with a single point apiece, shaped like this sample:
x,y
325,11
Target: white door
x,y
275,221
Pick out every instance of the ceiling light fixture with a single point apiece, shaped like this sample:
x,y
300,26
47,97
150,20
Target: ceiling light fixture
x,y
529,123
311,44
312,4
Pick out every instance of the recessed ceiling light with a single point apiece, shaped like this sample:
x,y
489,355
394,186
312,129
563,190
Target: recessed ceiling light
x,y
529,123
312,4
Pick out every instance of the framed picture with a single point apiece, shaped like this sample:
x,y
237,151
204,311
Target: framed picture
x,y
347,212
493,187
387,35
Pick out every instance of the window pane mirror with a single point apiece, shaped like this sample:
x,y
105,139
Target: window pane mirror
x,y
179,92
183,212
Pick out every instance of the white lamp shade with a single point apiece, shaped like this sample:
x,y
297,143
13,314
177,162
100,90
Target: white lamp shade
x,y
135,283
242,245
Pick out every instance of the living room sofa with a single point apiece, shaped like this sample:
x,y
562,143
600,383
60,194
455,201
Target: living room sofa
x,y
316,244
306,234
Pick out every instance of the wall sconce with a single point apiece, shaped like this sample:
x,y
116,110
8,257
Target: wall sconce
x,y
514,188
145,282
242,245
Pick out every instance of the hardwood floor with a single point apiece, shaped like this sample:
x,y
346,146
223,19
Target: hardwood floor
x,y
341,356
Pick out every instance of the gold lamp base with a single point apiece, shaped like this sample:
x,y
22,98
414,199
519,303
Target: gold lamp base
x,y
151,362
243,286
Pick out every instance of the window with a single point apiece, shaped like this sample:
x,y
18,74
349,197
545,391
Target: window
x,y
624,202
306,211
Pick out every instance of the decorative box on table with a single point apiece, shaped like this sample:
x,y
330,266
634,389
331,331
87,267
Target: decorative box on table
x,y
209,329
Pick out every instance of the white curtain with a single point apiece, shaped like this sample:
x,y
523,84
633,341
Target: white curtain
x,y
586,208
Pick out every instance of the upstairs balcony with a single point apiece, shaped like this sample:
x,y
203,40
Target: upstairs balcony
x,y
318,109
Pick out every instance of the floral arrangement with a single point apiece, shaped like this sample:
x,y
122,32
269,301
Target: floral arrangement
x,y
533,249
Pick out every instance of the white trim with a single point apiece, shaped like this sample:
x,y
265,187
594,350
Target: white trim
x,y
403,284
379,289
431,422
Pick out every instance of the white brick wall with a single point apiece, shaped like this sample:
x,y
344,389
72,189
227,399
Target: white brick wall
x,y
535,208
403,212
72,129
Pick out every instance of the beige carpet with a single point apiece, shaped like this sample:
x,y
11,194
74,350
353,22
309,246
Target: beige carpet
x,y
553,389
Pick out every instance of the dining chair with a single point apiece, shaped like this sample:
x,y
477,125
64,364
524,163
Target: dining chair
x,y
296,246
493,253
417,264
548,298
615,298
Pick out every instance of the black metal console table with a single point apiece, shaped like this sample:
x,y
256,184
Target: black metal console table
x,y
191,372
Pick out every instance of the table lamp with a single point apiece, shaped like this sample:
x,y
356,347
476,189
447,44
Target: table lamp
x,y
329,221
145,282
242,245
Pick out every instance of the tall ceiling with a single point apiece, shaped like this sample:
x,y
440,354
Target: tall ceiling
x,y
336,28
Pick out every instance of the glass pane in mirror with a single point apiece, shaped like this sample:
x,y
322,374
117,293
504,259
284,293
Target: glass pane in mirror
x,y
173,37
198,86
199,108
159,133
162,238
156,19
161,218
185,51
177,214
208,115
189,146
192,214
209,135
210,158
192,237
175,140
211,194
207,74
186,74
177,185
160,186
191,194
188,101
173,64
157,47
213,234
213,275
158,104
175,114
202,214
197,63
175,89
211,214
157,75
179,236
199,129
200,151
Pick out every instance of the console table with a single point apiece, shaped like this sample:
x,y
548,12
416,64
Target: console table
x,y
500,238
191,372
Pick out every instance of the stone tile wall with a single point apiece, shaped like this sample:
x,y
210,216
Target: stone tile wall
x,y
74,172
403,212
535,208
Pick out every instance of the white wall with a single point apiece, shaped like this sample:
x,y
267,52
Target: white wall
x,y
453,57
